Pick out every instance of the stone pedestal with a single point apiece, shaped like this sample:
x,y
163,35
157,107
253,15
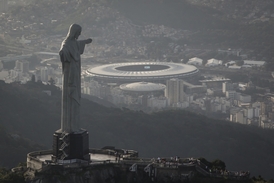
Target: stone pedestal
x,y
67,146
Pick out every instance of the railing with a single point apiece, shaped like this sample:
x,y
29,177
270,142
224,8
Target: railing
x,y
37,164
115,152
202,168
34,163
202,171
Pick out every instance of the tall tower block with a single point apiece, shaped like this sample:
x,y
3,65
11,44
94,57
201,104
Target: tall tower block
x,y
174,91
4,5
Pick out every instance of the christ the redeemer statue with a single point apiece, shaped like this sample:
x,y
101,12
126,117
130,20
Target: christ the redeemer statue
x,y
71,141
70,52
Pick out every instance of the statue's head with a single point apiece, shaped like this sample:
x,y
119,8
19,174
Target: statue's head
x,y
74,31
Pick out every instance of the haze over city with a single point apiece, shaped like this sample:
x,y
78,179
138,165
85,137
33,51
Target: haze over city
x,y
182,78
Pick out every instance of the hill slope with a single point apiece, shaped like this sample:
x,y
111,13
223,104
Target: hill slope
x,y
14,148
177,14
211,24
25,110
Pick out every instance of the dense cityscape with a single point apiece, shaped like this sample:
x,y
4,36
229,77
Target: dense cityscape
x,y
213,94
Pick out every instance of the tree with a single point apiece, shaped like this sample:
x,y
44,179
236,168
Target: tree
x,y
6,176
33,78
205,162
51,81
218,164
240,62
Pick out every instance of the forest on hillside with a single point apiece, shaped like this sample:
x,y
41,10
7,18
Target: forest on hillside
x,y
211,26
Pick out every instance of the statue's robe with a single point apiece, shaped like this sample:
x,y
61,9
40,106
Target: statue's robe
x,y
70,52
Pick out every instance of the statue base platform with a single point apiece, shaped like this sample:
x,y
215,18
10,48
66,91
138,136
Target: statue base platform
x,y
67,146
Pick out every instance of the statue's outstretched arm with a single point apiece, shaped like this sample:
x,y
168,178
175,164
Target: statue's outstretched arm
x,y
82,44
89,40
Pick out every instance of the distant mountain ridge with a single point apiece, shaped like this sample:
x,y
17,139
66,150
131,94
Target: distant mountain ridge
x,y
212,24
28,112
176,13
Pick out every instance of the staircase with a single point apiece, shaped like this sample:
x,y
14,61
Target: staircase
x,y
64,141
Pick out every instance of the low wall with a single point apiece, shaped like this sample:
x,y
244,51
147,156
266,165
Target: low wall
x,y
115,152
35,163
130,166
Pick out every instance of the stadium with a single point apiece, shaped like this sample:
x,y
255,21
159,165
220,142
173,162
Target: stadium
x,y
142,71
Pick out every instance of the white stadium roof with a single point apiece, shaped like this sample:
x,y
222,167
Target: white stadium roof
x,y
142,87
142,71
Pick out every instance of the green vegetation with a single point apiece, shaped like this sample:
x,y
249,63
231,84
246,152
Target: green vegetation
x,y
14,149
176,13
209,28
212,28
6,176
216,164
73,17
260,179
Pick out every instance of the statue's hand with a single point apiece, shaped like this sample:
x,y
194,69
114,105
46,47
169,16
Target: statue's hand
x,y
89,40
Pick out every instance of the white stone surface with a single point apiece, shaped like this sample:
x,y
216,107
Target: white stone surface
x,y
93,157
142,87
